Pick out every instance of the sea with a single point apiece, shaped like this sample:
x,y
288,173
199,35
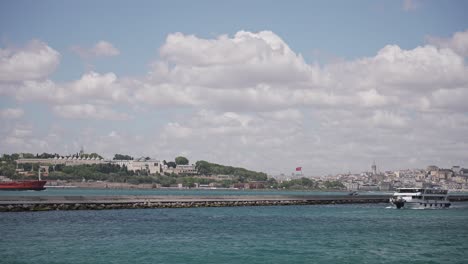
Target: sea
x,y
351,233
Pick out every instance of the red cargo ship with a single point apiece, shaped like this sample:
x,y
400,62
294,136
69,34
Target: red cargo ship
x,y
22,185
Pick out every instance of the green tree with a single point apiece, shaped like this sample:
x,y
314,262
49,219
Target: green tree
x,y
334,185
271,182
25,156
203,167
207,168
181,160
122,157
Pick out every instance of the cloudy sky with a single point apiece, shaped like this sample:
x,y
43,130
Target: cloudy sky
x,y
269,85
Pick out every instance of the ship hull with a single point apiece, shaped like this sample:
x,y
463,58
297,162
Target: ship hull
x,y
409,205
420,204
22,185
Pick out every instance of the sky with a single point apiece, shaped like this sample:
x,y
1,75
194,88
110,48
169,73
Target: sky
x,y
330,86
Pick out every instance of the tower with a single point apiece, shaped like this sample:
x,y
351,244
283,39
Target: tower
x,y
374,168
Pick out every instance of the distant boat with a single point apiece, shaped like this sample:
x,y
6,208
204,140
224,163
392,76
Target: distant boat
x,y
36,185
420,198
25,185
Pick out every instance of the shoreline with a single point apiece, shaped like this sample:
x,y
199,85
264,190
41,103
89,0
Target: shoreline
x,y
149,186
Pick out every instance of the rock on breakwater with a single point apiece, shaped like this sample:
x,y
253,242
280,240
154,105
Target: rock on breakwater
x,y
47,203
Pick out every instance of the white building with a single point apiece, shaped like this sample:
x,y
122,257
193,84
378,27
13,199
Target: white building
x,y
152,166
185,169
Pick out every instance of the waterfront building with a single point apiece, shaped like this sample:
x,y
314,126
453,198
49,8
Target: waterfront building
x,y
185,169
152,166
351,186
456,170
67,161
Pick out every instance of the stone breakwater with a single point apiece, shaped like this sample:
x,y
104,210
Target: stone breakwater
x,y
47,203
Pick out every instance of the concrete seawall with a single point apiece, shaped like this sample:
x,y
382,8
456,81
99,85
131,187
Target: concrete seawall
x,y
46,203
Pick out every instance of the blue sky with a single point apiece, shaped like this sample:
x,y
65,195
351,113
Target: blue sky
x,y
328,44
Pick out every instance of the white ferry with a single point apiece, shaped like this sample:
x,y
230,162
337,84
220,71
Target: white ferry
x,y
420,198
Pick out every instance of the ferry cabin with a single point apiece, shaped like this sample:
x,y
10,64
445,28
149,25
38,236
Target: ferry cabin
x,y
421,198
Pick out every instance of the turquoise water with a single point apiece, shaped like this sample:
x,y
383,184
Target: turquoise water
x,y
291,234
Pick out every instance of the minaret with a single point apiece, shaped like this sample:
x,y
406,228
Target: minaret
x,y
374,168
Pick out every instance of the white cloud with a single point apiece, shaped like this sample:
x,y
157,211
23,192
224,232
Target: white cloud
x,y
11,113
88,111
35,61
104,48
92,87
451,99
458,42
234,138
100,87
410,5
259,72
394,70
388,119
100,49
114,134
175,130
250,100
373,98
285,115
21,132
244,60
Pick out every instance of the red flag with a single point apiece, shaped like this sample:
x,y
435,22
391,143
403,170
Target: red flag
x,y
299,169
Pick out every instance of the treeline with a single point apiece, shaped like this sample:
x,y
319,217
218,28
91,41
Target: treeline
x,y
116,173
8,165
122,157
306,183
207,168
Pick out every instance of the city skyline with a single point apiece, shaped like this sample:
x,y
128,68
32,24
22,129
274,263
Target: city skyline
x,y
329,86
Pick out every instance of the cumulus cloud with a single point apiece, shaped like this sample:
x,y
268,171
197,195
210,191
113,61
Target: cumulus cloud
x,y
230,137
88,111
394,70
92,86
248,99
11,113
453,99
244,60
388,119
175,130
259,72
458,42
373,98
104,87
100,49
35,61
